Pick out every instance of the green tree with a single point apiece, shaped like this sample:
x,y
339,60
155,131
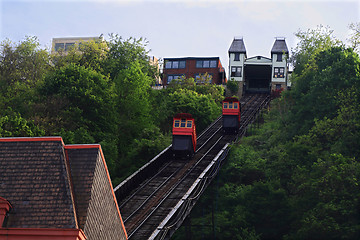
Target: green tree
x,y
232,86
203,107
122,53
79,97
311,42
355,36
297,177
313,97
326,199
133,106
13,125
89,54
22,67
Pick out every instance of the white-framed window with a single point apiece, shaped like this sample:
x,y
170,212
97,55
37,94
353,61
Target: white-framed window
x,y
279,72
237,57
279,57
236,71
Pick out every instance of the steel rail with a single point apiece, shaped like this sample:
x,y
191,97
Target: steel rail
x,y
141,187
163,168
201,186
186,198
153,193
173,188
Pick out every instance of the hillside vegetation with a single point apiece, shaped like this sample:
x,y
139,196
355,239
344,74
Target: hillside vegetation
x,y
298,175
99,92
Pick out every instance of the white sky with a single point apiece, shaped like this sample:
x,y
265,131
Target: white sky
x,y
178,28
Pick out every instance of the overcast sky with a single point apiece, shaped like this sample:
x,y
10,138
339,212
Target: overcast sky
x,y
178,28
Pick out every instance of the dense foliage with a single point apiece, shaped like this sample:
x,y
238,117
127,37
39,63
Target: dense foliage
x,y
297,176
98,92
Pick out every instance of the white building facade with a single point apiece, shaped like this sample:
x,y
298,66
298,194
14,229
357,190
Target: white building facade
x,y
258,74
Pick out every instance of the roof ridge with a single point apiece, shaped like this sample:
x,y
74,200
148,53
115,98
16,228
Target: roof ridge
x,y
32,139
82,146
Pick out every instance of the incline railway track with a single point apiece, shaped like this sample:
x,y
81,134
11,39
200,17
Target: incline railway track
x,y
146,209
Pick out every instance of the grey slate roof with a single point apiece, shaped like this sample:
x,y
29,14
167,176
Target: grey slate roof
x,y
96,208
279,46
33,178
237,46
52,185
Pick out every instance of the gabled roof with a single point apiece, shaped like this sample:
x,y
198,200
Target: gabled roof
x,y
53,185
96,206
237,46
260,60
34,180
279,46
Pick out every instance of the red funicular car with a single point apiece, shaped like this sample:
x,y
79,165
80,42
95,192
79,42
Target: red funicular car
x,y
231,115
184,135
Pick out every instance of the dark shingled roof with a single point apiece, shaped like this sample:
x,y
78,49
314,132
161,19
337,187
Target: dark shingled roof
x,y
237,46
52,185
96,206
34,180
279,46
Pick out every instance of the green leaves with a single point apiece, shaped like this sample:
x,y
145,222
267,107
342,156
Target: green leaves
x,y
297,176
13,125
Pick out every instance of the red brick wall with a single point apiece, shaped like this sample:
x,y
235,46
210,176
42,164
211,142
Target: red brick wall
x,y
191,70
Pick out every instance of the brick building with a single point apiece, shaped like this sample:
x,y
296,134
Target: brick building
x,y
194,67
49,190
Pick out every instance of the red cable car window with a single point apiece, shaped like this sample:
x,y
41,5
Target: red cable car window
x,y
188,124
225,105
230,105
235,105
183,122
176,123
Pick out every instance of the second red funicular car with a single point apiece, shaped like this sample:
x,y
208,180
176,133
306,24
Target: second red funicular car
x,y
231,115
184,135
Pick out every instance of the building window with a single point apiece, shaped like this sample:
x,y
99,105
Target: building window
x,y
279,72
206,64
182,64
172,77
168,64
174,64
59,46
235,71
182,123
278,86
279,57
237,57
68,46
203,78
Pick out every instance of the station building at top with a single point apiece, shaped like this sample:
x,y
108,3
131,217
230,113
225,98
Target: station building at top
x,y
259,74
